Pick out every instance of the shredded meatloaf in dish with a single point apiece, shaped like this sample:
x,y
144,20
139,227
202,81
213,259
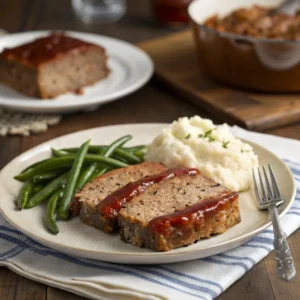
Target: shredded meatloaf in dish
x,y
256,21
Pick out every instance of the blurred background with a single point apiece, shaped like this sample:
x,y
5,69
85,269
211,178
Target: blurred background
x,y
139,16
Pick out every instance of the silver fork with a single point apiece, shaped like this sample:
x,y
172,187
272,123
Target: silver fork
x,y
269,198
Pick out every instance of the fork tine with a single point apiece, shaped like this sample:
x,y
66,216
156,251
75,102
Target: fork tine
x,y
268,184
256,187
276,191
264,195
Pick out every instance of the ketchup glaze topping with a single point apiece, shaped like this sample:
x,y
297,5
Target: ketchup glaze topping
x,y
111,205
43,49
194,214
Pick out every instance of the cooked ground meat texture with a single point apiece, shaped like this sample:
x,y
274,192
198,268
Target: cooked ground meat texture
x,y
146,221
85,202
53,65
257,22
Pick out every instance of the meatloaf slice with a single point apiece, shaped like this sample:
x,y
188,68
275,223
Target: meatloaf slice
x,y
178,212
85,202
52,65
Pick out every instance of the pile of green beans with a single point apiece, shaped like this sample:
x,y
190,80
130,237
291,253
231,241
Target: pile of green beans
x,y
57,179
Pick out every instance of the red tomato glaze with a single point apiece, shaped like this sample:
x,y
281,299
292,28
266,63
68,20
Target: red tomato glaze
x,y
111,205
193,214
44,49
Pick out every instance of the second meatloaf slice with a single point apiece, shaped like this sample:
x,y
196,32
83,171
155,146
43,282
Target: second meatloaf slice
x,y
178,212
53,65
86,201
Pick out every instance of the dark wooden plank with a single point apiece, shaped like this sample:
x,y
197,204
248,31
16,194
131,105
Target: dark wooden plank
x,y
8,284
253,285
30,290
10,148
15,287
280,287
35,12
12,15
56,294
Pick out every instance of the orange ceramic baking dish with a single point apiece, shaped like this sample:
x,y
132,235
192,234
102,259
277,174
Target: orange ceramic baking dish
x,y
245,62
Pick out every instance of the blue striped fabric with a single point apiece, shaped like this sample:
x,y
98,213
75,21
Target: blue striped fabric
x,y
200,279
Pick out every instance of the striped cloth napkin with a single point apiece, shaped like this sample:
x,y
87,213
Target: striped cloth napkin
x,y
200,279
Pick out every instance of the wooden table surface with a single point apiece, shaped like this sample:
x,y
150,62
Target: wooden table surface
x,y
152,103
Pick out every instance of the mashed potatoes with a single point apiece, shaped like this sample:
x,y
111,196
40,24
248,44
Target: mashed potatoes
x,y
198,143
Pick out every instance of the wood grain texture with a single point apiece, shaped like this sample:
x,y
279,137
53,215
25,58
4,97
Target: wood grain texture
x,y
153,103
252,286
280,287
13,9
177,66
15,287
56,294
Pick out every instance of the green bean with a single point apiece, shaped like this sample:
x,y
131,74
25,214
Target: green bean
x,y
128,156
140,154
92,149
46,166
65,161
34,165
63,210
107,161
48,190
51,210
37,188
58,153
95,149
110,162
100,172
119,158
87,174
24,194
134,148
115,145
46,176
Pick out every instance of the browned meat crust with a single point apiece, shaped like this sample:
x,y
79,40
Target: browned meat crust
x,y
85,202
178,212
52,65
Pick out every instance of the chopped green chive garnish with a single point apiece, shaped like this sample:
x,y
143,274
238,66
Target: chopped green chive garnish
x,y
188,136
225,144
208,133
245,150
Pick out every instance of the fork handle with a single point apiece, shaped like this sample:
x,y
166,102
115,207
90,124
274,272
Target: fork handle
x,y
285,264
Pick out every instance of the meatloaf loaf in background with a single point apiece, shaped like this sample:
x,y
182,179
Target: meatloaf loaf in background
x,y
85,202
178,212
53,65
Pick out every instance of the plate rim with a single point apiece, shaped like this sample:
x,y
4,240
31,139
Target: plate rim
x,y
44,106
153,254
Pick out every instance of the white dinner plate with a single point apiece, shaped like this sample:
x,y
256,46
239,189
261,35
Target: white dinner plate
x,y
76,238
130,68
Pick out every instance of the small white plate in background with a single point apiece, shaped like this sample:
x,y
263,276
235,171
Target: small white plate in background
x,y
130,68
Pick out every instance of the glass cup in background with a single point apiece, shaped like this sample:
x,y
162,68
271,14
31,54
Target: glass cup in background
x,y
98,11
